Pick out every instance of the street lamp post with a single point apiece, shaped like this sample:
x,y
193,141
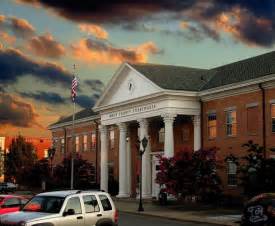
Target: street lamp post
x,y
144,143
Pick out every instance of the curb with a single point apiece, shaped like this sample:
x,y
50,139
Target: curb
x,y
182,219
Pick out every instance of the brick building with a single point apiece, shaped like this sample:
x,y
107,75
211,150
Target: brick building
x,y
41,146
175,107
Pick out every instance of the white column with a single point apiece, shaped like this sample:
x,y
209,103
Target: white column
x,y
104,158
197,132
146,160
122,161
129,166
169,135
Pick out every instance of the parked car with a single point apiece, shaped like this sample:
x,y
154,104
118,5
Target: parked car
x,y
11,203
60,208
260,211
7,187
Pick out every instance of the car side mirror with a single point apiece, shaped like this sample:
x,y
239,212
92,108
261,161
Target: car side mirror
x,y
69,212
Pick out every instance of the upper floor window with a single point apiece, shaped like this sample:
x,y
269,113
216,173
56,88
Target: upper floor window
x,y
77,144
93,141
231,173
231,123
85,143
161,135
273,117
252,120
46,153
112,139
62,145
212,125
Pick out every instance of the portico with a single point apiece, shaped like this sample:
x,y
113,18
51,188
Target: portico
x,y
131,98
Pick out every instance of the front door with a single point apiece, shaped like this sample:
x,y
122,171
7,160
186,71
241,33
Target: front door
x,y
155,169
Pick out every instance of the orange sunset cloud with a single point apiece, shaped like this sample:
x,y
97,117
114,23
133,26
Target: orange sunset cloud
x,y
104,53
95,30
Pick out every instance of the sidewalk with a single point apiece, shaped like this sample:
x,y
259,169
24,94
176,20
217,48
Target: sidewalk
x,y
200,214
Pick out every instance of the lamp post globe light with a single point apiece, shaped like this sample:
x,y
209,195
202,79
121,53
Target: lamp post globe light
x,y
144,143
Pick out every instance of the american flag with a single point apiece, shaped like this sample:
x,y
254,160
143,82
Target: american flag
x,y
74,86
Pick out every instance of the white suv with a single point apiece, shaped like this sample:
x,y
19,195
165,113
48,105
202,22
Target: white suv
x,y
65,208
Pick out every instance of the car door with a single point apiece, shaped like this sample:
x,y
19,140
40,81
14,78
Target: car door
x,y
72,214
92,210
10,205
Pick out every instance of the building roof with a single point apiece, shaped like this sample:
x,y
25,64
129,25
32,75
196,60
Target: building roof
x,y
86,113
251,68
193,79
174,77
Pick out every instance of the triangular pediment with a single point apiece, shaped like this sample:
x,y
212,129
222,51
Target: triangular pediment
x,y
127,84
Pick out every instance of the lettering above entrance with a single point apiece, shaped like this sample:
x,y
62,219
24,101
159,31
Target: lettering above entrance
x,y
130,111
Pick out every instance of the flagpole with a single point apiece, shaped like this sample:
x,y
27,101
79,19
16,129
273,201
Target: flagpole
x,y
73,152
73,136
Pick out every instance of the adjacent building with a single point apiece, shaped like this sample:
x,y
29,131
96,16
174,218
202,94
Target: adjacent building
x,y
41,146
176,108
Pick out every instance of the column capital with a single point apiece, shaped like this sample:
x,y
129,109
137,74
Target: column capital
x,y
122,127
143,123
168,117
103,129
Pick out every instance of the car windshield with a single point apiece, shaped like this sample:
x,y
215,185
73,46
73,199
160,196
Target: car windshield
x,y
46,204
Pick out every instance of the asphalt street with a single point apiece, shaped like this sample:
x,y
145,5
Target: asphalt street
x,y
136,220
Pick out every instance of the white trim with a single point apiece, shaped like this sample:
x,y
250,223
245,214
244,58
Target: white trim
x,y
251,105
233,108
272,101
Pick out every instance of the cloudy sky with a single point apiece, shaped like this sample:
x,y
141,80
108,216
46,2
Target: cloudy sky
x,y
41,40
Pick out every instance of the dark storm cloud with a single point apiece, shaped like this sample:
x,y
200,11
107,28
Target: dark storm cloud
x,y
106,11
95,85
47,97
85,101
255,24
16,113
15,64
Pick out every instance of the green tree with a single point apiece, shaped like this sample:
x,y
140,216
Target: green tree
x,y
191,173
19,160
256,173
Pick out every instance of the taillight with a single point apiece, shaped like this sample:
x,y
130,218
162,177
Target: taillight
x,y
116,217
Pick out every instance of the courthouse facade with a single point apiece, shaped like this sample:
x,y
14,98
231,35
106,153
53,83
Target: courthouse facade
x,y
176,108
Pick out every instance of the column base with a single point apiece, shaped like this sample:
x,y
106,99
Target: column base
x,y
145,196
123,196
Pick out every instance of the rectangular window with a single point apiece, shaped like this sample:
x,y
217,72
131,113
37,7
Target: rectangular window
x,y
93,141
46,153
77,144
62,145
90,203
112,139
231,123
105,202
161,135
273,117
252,120
85,143
212,125
232,174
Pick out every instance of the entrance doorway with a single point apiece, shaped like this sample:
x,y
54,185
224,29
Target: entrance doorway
x,y
155,170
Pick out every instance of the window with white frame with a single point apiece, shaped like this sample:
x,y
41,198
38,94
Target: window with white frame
x,y
273,117
212,125
77,144
161,135
93,141
85,142
231,173
62,145
112,139
231,123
